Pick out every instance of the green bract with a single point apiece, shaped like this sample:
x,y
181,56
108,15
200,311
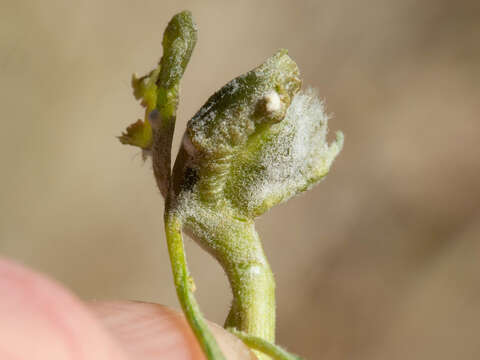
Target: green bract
x,y
256,142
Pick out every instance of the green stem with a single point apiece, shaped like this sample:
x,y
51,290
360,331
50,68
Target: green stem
x,y
237,247
253,288
253,305
272,350
184,284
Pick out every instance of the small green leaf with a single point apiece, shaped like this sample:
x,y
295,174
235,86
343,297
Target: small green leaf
x,y
145,88
138,134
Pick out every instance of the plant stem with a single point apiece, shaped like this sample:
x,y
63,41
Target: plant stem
x,y
272,350
253,305
237,247
253,288
184,284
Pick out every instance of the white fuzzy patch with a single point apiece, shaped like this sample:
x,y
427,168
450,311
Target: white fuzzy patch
x,y
299,156
272,101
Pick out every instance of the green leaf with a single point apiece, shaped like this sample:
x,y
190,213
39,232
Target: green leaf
x,y
138,134
145,88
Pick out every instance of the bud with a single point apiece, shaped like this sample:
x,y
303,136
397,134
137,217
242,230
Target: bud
x,y
158,92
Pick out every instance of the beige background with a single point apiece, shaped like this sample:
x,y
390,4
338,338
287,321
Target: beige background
x,y
381,261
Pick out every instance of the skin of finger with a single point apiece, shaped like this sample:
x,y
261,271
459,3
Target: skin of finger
x,y
41,320
147,330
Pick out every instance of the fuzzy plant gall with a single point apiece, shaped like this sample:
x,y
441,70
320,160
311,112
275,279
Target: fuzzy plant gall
x,y
256,142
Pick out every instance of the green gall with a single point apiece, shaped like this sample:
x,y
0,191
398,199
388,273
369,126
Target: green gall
x,y
257,142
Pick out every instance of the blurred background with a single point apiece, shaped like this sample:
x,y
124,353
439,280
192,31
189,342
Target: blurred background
x,y
382,260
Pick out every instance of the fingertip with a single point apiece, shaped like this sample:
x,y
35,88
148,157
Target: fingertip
x,y
42,320
148,331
